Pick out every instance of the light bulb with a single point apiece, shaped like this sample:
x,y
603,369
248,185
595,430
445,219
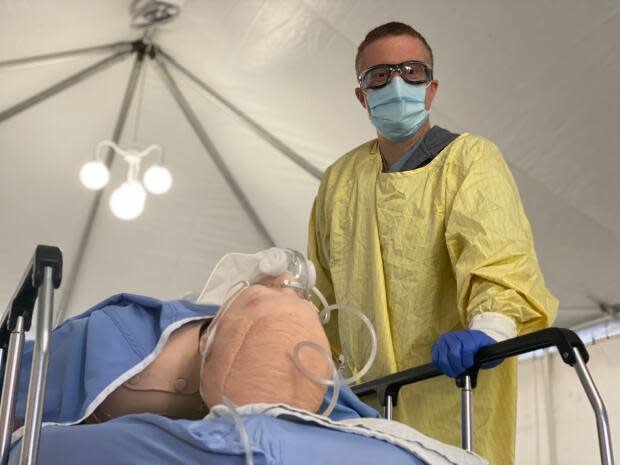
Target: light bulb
x,y
157,179
127,202
94,175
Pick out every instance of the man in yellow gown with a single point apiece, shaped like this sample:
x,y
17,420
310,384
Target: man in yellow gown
x,y
424,231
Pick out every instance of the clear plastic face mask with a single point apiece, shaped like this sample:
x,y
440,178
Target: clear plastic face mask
x,y
299,271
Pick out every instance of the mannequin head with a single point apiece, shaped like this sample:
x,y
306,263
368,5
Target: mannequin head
x,y
250,359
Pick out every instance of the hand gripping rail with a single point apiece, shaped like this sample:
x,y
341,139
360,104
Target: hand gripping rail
x,y
570,347
42,276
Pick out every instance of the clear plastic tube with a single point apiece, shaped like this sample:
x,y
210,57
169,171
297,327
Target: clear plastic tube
x,y
335,381
323,301
243,434
212,330
325,316
371,330
227,303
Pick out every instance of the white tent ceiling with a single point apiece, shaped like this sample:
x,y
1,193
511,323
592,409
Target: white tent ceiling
x,y
538,78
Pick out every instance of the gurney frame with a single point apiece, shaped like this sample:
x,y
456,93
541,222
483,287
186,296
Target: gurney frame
x,y
42,276
570,347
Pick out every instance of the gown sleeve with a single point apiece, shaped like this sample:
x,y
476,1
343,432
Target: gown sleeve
x,y
490,243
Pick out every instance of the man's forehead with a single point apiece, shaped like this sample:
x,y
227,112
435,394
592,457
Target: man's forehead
x,y
393,49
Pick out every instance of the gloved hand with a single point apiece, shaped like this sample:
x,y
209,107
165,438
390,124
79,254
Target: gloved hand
x,y
453,353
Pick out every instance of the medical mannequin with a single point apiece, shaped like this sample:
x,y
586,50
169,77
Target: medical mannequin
x,y
169,386
249,361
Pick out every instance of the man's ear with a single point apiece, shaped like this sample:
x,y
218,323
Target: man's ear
x,y
430,94
359,93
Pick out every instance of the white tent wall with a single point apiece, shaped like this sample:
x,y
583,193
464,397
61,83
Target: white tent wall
x,y
41,199
538,78
564,234
556,423
283,197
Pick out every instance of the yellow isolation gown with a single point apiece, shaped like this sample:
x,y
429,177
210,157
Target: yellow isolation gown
x,y
421,253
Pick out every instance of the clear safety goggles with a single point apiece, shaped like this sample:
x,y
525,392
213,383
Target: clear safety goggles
x,y
413,72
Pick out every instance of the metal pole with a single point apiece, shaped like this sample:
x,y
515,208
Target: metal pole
x,y
210,147
9,388
38,374
60,86
466,415
548,388
118,47
388,408
602,422
260,130
109,159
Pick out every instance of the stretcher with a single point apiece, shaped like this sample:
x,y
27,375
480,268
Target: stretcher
x,y
569,346
44,273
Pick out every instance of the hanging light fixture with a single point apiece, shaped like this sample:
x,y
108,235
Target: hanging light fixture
x,y
127,201
94,175
157,179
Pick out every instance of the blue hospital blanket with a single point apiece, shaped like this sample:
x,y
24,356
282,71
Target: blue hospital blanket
x,y
154,440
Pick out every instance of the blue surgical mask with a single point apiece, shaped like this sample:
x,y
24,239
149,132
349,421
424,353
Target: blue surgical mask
x,y
397,109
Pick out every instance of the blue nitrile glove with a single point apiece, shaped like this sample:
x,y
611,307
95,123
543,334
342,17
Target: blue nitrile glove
x,y
453,353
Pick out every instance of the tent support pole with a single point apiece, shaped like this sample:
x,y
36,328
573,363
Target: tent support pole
x,y
260,130
61,85
118,47
75,267
209,146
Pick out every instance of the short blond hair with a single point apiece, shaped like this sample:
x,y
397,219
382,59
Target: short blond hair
x,y
393,28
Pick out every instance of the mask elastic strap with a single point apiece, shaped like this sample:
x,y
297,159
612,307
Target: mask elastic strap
x,y
335,381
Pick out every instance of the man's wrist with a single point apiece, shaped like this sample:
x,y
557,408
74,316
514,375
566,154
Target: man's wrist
x,y
495,325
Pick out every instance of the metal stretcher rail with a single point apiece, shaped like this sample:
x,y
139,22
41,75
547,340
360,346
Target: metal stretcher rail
x,y
568,344
42,276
